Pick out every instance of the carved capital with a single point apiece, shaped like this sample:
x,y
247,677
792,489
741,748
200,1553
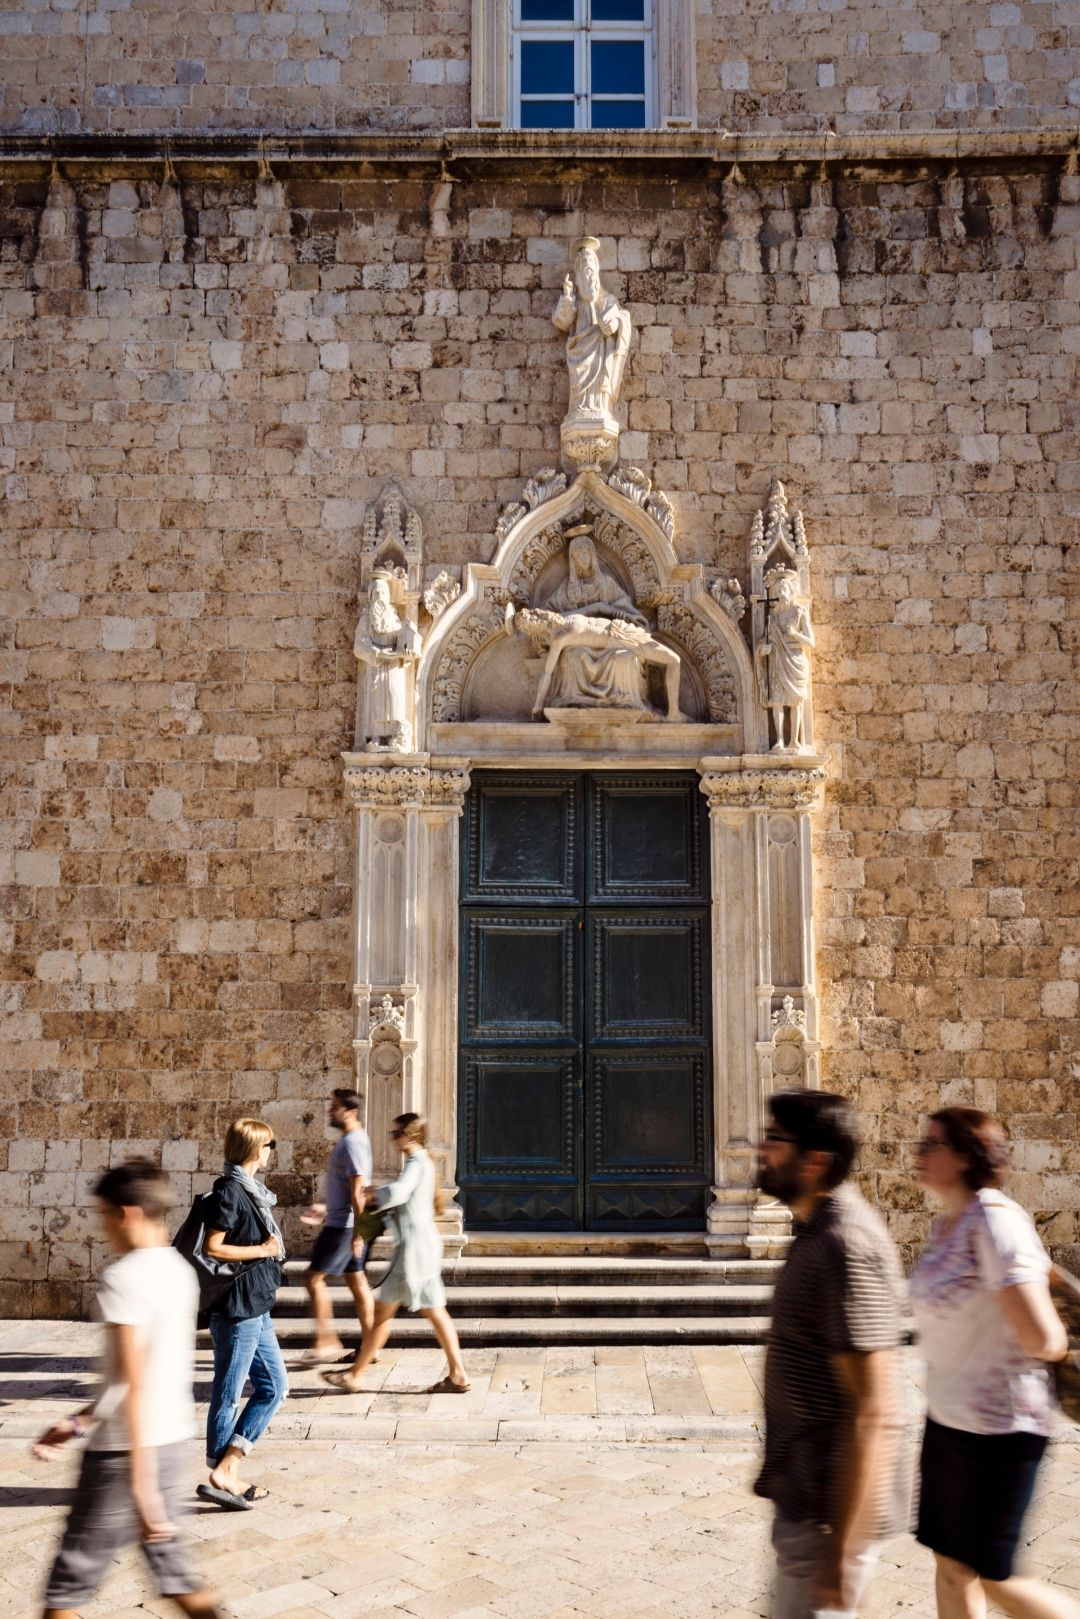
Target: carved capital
x,y
764,789
378,786
448,788
404,786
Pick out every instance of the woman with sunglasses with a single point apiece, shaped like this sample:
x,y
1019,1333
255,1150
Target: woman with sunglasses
x,y
240,1227
987,1329
414,1278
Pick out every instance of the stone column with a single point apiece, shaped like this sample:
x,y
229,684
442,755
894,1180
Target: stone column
x,y
764,996
405,954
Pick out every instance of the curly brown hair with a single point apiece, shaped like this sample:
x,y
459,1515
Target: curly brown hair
x,y
979,1139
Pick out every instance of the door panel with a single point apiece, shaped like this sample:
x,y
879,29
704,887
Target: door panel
x,y
647,1113
521,975
522,838
585,1028
646,976
522,1146
646,840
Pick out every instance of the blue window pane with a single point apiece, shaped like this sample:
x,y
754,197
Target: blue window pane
x,y
547,67
618,115
547,115
618,67
614,10
551,10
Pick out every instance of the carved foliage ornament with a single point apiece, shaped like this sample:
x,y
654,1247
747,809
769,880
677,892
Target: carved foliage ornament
x,y
763,789
386,1021
439,594
636,486
483,622
711,659
788,1019
545,486
377,786
728,594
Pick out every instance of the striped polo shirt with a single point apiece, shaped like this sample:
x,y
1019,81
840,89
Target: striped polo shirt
x,y
841,1290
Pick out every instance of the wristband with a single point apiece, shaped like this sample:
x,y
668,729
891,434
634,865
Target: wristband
x,y
79,1425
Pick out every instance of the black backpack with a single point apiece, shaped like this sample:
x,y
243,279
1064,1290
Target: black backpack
x,y
216,1276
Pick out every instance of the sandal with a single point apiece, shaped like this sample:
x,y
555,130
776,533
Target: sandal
x,y
228,1500
318,1357
446,1385
337,1381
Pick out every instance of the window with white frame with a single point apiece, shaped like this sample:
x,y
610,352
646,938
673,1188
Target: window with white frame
x,y
583,64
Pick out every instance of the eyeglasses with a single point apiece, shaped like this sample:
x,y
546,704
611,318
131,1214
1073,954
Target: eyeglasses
x,y
272,1145
778,1135
930,1144
395,1133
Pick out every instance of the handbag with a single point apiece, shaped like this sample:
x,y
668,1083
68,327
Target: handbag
x,y
370,1226
1065,1292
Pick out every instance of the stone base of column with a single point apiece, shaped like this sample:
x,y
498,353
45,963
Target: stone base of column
x,y
451,1224
742,1225
770,1230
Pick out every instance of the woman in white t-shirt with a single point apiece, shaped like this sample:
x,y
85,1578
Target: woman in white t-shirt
x,y
988,1329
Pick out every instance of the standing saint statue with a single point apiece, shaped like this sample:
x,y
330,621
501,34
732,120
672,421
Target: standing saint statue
x,y
783,660
597,343
388,645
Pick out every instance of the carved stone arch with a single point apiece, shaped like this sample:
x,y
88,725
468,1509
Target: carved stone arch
x,y
637,536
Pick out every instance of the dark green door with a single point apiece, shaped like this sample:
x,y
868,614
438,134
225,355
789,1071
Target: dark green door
x,y
584,1028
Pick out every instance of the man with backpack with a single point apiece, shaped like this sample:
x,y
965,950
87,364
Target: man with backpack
x,y
133,1467
339,1249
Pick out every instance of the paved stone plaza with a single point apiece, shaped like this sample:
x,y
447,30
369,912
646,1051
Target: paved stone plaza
x,y
570,1484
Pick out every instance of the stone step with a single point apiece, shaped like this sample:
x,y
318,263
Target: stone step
x,y
484,1332
472,1302
598,1271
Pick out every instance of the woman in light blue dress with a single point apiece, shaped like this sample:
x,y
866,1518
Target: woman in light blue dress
x,y
411,1204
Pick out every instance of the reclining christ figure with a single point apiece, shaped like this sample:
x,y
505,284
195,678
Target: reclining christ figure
x,y
596,662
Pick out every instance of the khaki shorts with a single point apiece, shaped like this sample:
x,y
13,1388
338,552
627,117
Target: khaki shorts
x,y
103,1523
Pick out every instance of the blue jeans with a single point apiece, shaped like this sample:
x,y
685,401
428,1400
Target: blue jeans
x,y
243,1349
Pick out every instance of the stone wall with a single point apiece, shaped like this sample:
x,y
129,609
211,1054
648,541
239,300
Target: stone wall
x,y
123,66
206,379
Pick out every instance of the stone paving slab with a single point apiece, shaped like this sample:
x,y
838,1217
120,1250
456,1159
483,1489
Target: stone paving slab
x,y
449,1531
404,1505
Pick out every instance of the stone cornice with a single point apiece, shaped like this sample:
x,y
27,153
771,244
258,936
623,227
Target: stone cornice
x,y
460,153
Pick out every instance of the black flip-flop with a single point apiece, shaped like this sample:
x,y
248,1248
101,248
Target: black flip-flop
x,y
228,1500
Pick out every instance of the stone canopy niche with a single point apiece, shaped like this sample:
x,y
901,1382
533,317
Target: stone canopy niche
x,y
585,644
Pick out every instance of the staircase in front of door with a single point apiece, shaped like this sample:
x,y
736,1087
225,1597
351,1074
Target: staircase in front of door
x,y
511,1289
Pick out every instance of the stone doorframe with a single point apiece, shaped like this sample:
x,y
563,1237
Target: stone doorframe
x,y
408,809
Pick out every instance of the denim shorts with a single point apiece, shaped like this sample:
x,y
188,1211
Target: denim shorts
x,y
103,1522
332,1254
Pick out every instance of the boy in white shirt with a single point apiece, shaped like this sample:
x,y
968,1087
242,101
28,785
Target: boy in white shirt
x,y
133,1471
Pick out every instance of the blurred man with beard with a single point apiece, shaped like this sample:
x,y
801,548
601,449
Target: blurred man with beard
x,y
832,1397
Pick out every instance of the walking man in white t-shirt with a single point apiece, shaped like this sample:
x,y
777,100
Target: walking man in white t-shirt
x,y
133,1470
338,1250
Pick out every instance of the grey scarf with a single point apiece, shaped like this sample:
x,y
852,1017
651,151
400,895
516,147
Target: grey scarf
x,y
263,1198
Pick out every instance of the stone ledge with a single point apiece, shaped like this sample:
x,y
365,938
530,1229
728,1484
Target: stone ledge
x,y
457,154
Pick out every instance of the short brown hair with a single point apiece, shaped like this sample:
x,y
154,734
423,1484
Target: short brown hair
x,y
979,1139
136,1184
245,1138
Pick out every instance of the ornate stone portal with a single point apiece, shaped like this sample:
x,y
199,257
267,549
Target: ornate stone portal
x,y
548,657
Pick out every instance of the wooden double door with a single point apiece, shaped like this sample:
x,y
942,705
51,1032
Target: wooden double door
x,y
584,1034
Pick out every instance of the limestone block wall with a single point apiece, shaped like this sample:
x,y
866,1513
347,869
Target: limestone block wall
x,y
136,65
203,380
